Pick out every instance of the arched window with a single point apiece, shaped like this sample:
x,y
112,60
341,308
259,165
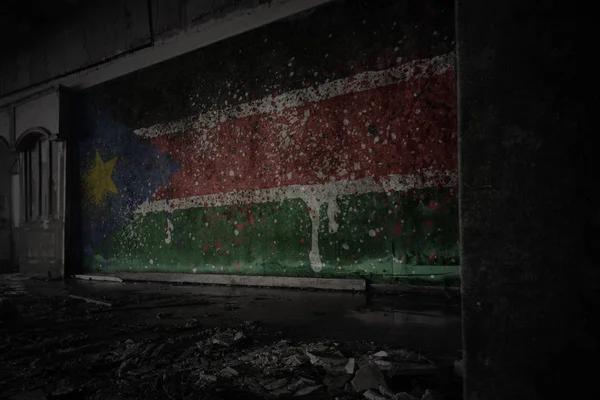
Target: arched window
x,y
37,155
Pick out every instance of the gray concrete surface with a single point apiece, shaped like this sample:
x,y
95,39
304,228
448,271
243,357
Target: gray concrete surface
x,y
418,321
529,221
247,280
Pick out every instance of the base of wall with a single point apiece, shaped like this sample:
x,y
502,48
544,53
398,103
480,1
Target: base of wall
x,y
248,280
102,278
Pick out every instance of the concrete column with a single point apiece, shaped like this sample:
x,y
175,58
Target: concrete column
x,y
528,222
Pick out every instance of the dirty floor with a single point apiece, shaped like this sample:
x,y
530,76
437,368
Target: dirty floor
x,y
161,341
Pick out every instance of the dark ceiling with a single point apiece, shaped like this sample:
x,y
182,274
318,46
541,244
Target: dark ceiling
x,y
21,20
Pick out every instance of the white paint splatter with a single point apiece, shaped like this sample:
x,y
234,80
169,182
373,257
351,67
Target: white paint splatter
x,y
170,229
332,210
313,195
276,104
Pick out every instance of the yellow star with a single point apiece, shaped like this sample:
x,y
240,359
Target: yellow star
x,y
98,179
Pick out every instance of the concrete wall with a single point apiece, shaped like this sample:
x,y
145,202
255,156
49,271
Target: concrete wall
x,y
529,214
96,40
319,145
91,33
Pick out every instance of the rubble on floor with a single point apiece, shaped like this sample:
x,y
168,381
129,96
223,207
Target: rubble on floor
x,y
102,358
215,359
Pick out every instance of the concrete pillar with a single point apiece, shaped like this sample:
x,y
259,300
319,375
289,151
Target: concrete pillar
x,y
528,222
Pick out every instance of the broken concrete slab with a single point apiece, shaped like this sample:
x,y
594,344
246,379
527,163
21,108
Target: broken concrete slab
x,y
368,377
336,381
352,285
277,384
350,366
229,372
227,338
374,395
307,390
295,360
90,300
206,378
300,383
98,278
124,368
281,392
328,357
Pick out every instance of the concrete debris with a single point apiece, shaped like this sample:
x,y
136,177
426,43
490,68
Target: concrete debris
x,y
170,359
336,381
140,371
350,366
300,383
229,372
295,360
125,367
368,377
281,392
327,357
384,390
191,323
401,362
206,378
90,300
279,383
148,350
157,352
131,348
227,338
307,390
101,278
374,395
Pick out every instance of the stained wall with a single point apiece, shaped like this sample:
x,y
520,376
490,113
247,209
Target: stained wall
x,y
319,145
